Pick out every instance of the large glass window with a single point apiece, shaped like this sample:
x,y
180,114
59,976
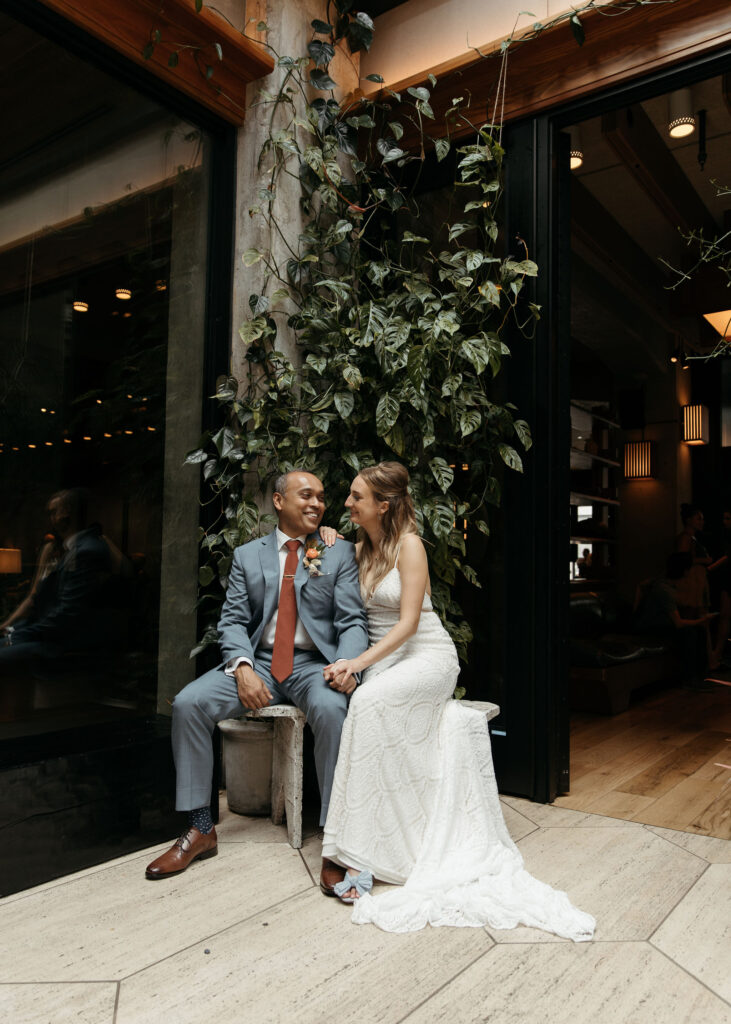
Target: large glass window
x,y
103,228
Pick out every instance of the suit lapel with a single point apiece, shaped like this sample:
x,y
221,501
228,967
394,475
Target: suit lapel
x,y
269,559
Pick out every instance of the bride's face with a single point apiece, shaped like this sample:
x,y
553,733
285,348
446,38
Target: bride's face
x,y
365,511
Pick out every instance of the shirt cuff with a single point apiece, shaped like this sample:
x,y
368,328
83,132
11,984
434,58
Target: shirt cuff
x,y
234,663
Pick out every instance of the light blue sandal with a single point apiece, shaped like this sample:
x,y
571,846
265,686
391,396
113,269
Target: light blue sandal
x,y
362,884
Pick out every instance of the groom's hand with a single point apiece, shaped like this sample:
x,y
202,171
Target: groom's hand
x,y
253,691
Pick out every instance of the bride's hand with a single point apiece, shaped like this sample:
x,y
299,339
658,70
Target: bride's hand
x,y
341,675
329,535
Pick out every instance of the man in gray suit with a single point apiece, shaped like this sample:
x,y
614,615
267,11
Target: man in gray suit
x,y
287,615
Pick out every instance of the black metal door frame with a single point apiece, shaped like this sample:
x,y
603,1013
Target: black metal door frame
x,y
534,759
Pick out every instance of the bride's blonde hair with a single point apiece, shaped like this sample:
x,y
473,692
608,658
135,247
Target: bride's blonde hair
x,y
388,481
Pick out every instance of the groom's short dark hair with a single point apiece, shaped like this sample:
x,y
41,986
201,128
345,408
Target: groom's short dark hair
x,y
280,484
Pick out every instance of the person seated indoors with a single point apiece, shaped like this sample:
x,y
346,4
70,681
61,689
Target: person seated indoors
x,y
657,614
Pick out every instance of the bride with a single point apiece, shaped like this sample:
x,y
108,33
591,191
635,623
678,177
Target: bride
x,y
414,799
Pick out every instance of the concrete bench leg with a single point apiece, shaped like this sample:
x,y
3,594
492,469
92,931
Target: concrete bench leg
x,y
287,766
287,777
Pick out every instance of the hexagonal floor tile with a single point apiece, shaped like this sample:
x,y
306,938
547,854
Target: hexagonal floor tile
x,y
697,935
628,878
601,983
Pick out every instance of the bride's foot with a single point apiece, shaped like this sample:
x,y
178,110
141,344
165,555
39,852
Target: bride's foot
x,y
355,884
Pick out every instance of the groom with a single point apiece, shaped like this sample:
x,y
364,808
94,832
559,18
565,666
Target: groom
x,y
292,607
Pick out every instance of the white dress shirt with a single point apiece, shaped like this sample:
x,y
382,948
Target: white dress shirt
x,y
302,638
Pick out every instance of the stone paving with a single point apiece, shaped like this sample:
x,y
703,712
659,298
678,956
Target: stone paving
x,y
247,937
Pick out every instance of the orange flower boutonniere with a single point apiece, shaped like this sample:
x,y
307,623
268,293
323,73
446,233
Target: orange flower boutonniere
x,y
313,556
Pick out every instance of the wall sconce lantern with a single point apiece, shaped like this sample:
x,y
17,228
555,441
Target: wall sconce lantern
x,y
10,560
123,293
695,424
638,460
681,121
81,307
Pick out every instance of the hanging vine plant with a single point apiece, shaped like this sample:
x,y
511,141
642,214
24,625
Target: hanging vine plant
x,y
399,331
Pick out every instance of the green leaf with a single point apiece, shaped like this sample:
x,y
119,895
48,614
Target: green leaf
x,y
173,59
205,575
577,28
344,403
452,384
156,36
510,457
209,71
387,412
252,256
442,148
195,456
459,229
322,27
477,352
374,78
258,304
408,237
442,472
219,51
148,50
440,515
469,421
420,93
396,129
352,375
198,5
321,80
523,431
321,53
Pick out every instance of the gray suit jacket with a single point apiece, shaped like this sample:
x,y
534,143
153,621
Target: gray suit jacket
x,y
329,605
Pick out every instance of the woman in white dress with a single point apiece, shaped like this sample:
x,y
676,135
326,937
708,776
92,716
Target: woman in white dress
x,y
414,798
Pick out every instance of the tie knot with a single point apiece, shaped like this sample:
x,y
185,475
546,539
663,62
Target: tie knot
x,y
292,545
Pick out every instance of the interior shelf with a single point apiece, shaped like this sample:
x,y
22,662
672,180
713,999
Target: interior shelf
x,y
576,498
595,458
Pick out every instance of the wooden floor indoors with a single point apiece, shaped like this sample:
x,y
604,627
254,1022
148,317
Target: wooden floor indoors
x,y
665,762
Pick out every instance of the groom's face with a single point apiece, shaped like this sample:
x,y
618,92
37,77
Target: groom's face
x,y
301,507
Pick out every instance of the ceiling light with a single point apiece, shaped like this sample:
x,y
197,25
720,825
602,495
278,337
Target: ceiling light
x,y
677,355
161,285
123,293
576,157
81,307
720,322
681,121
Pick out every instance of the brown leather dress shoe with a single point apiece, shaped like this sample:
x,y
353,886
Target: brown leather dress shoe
x,y
330,874
192,845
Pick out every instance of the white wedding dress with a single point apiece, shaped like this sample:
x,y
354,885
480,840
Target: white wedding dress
x,y
415,800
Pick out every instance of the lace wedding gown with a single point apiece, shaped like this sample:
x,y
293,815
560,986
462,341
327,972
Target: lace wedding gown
x,y
414,797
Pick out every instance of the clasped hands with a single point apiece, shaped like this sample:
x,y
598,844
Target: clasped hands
x,y
341,675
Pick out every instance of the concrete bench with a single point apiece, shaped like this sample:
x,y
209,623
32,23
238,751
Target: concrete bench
x,y
286,785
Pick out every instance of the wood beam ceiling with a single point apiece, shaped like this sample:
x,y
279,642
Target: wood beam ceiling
x,y
639,145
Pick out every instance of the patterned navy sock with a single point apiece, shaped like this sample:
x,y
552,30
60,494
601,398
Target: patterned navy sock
x,y
201,819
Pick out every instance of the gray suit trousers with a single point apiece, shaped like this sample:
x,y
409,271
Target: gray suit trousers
x,y
213,697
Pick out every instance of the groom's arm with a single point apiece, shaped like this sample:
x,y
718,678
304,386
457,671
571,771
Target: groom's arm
x,y
349,619
233,634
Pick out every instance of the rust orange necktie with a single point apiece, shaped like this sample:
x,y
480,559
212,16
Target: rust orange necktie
x,y
283,652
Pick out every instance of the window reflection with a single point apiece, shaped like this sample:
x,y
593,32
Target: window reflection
x,y
103,196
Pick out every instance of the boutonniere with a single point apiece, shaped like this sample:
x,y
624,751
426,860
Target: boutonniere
x,y
313,555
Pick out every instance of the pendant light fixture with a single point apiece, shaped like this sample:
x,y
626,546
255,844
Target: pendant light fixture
x,y
681,120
